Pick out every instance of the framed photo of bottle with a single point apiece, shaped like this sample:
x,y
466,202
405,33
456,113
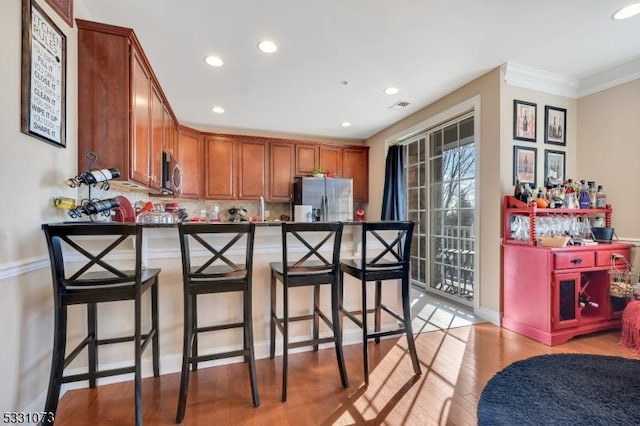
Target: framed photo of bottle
x,y
524,121
43,75
555,125
525,165
554,165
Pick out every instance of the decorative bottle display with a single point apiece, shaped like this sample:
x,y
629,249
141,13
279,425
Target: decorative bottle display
x,y
94,207
584,200
65,203
601,198
93,177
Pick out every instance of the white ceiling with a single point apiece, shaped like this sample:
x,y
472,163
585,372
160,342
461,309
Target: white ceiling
x,y
426,48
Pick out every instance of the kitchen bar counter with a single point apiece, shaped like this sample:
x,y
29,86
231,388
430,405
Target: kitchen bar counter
x,y
161,249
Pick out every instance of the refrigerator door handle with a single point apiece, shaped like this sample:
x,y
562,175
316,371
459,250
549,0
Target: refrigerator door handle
x,y
324,208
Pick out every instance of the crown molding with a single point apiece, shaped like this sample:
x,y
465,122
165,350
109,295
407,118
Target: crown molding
x,y
612,77
542,81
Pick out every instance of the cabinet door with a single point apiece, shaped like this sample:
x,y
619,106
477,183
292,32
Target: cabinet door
x,y
190,160
220,168
252,169
282,160
331,159
566,310
306,159
140,127
157,140
170,140
355,165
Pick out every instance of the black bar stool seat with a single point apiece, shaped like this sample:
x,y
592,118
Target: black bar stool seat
x,y
390,262
310,269
216,272
98,281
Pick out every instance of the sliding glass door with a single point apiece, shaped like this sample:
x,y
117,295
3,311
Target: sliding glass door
x,y
441,186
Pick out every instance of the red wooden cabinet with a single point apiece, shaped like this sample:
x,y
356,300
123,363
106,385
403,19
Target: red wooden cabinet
x,y
554,294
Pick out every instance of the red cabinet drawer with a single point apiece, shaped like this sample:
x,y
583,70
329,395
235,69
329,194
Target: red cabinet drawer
x,y
603,258
574,260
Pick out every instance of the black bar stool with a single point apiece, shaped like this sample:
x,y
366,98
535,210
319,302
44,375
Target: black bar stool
x,y
310,269
391,262
218,274
96,282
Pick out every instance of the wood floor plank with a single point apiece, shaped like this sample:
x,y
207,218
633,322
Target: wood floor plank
x,y
456,364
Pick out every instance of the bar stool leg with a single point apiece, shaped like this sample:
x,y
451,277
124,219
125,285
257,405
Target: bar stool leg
x,y
155,329
138,359
248,337
57,360
92,347
406,307
285,341
272,316
316,317
194,326
365,333
378,309
337,331
186,358
340,304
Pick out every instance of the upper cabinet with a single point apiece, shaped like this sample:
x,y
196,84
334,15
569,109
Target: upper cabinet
x,y
330,159
190,156
355,164
281,170
252,169
220,156
121,107
307,156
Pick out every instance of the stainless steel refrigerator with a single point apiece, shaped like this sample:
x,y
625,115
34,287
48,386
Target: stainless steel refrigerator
x,y
330,198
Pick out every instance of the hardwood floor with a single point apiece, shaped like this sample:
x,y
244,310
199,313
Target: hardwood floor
x,y
457,363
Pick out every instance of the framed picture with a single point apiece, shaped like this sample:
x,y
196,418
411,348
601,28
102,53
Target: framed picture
x,y
524,165
43,75
524,121
554,165
64,8
555,125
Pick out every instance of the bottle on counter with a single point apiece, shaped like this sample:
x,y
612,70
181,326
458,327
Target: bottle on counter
x,y
93,177
65,203
94,207
601,198
592,193
584,200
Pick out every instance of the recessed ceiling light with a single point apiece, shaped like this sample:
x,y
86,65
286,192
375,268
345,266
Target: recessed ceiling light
x,y
217,109
627,12
267,46
391,90
345,124
214,61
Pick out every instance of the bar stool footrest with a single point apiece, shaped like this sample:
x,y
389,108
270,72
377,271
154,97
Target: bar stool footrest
x,y
221,355
98,374
218,327
311,342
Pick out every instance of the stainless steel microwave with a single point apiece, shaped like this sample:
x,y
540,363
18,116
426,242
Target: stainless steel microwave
x,y
171,174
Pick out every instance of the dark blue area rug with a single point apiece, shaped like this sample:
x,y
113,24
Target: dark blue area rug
x,y
563,389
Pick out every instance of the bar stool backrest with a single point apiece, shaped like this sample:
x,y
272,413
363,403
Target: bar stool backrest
x,y
394,241
227,248
100,245
320,253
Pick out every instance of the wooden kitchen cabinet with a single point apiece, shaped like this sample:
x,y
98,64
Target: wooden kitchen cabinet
x,y
220,169
307,158
355,165
252,169
553,294
281,170
120,105
190,157
330,159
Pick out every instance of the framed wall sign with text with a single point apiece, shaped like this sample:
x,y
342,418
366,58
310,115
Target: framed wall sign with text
x,y
44,75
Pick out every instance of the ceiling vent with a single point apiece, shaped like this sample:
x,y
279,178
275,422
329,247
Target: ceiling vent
x,y
399,105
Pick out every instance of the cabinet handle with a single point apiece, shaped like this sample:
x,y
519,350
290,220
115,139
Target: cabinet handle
x,y
576,261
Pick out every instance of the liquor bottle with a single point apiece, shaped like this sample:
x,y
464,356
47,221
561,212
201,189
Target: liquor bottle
x,y
517,190
93,177
65,203
592,193
527,194
94,207
584,201
585,300
601,198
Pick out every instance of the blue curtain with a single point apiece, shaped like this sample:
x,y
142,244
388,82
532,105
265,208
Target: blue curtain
x,y
394,203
